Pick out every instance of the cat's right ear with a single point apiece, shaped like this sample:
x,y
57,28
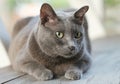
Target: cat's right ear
x,y
47,14
79,15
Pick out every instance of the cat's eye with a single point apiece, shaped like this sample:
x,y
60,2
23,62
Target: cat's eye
x,y
59,34
78,35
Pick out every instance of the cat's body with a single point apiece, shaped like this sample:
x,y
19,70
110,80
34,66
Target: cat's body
x,y
36,50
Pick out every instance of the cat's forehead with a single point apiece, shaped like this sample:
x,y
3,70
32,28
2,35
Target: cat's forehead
x,y
65,23
67,19
64,15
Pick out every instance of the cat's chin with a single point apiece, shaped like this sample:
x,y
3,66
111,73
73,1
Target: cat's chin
x,y
68,55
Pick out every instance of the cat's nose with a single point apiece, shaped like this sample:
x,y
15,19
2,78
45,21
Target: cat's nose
x,y
72,48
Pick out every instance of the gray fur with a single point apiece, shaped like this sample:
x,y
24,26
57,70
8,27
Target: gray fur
x,y
37,51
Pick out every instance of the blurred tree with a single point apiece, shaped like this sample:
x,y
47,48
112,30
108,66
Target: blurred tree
x,y
56,3
112,2
13,3
59,3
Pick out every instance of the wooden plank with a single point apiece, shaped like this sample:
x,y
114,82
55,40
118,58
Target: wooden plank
x,y
103,71
8,73
105,44
105,68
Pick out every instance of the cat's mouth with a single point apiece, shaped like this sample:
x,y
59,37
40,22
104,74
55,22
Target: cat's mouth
x,y
70,54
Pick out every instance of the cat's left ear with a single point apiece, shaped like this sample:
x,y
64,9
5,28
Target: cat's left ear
x,y
47,14
79,15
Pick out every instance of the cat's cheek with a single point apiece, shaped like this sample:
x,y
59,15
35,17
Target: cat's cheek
x,y
59,49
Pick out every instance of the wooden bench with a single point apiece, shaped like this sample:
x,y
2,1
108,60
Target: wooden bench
x,y
105,68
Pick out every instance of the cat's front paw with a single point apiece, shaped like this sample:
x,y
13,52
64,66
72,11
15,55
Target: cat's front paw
x,y
43,74
73,74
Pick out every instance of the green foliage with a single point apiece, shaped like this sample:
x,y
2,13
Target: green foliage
x,y
112,2
55,3
12,3
59,3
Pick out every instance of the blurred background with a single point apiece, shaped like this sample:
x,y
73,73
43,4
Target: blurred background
x,y
103,17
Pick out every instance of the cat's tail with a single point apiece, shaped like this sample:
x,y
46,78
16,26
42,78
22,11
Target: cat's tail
x,y
20,25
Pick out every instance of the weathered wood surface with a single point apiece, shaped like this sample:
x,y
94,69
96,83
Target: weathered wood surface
x,y
7,74
105,68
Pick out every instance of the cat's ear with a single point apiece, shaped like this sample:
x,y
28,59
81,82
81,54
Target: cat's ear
x,y
79,15
47,14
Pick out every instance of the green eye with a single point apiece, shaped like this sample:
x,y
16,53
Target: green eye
x,y
59,34
78,35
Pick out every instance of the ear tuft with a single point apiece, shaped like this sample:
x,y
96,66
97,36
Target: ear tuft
x,y
47,13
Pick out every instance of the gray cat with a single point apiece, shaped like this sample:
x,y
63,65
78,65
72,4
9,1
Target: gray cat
x,y
52,44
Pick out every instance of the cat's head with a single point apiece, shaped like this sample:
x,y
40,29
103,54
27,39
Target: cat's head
x,y
61,34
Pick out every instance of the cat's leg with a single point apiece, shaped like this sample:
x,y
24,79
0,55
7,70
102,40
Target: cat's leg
x,y
36,70
31,67
75,71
